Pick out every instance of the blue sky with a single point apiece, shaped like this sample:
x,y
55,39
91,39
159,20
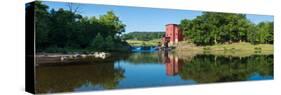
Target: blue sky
x,y
145,19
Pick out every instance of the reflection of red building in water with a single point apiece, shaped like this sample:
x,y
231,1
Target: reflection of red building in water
x,y
173,64
173,34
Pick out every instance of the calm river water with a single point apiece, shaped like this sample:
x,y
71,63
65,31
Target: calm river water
x,y
150,70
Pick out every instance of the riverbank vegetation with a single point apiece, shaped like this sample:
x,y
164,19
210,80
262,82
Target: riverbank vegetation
x,y
226,34
213,28
153,42
143,36
64,30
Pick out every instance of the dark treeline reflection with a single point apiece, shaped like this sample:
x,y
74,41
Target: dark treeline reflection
x,y
210,68
94,74
103,74
67,78
88,71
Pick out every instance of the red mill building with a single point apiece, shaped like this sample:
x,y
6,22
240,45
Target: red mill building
x,y
173,34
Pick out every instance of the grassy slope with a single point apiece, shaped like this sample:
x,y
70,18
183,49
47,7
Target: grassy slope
x,y
243,46
235,49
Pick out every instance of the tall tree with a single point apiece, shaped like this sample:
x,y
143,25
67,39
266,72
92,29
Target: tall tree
x,y
263,33
112,24
42,25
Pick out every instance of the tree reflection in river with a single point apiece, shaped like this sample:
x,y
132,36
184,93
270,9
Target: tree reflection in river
x,y
210,68
65,78
157,69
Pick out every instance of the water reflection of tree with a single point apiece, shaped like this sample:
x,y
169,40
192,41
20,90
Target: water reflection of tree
x,y
210,68
66,78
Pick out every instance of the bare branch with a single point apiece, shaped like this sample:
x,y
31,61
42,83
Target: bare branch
x,y
73,7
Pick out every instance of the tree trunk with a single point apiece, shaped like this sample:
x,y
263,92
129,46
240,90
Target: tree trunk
x,y
215,40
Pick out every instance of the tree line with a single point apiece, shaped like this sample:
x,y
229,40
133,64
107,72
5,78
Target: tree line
x,y
213,28
66,30
143,36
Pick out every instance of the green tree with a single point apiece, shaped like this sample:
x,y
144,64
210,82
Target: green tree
x,y
212,28
98,43
270,38
263,33
42,25
251,35
111,24
109,43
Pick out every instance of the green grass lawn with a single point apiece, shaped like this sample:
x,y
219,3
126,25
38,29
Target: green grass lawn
x,y
234,49
242,46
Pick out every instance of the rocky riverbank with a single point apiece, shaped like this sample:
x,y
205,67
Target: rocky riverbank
x,y
56,57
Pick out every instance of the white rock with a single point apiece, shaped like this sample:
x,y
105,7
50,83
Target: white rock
x,y
83,55
62,58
